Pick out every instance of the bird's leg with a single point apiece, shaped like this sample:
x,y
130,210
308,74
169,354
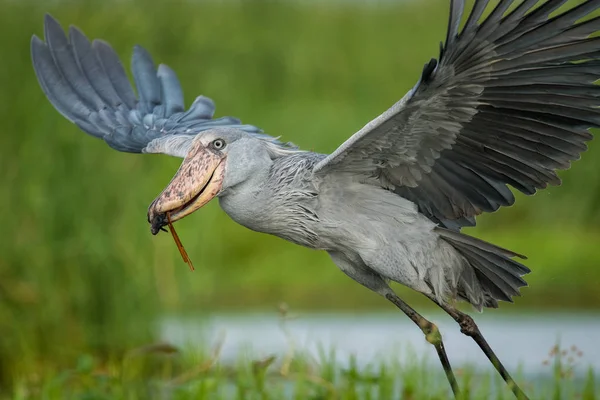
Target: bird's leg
x,y
432,334
470,328
357,270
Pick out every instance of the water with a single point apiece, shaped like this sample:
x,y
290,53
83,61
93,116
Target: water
x,y
520,340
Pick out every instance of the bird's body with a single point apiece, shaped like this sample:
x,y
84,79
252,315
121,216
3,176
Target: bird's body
x,y
509,102
386,240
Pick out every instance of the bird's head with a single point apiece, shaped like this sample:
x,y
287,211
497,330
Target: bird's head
x,y
216,160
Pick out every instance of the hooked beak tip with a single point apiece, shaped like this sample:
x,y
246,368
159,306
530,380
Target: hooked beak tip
x,y
157,222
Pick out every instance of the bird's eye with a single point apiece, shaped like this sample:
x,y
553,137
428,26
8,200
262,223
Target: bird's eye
x,y
218,144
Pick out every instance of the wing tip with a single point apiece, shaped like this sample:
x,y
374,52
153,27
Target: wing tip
x,y
75,32
37,45
101,44
140,53
35,40
141,58
49,19
164,70
52,28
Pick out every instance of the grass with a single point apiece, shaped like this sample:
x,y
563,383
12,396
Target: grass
x,y
79,271
162,371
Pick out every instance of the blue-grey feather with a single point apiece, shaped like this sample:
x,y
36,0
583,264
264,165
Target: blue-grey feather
x,y
146,79
54,85
115,72
171,90
85,57
87,83
201,108
61,52
148,121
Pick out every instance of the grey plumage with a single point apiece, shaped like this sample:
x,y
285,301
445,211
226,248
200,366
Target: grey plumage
x,y
88,85
509,102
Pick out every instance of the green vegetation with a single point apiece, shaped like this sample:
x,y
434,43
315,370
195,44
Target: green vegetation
x,y
163,371
79,270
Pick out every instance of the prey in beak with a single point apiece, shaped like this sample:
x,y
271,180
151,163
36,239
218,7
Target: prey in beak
x,y
198,180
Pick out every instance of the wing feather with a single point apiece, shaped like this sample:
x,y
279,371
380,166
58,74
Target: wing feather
x,y
510,102
87,84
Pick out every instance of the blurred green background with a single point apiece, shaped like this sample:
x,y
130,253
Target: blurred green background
x,y
79,269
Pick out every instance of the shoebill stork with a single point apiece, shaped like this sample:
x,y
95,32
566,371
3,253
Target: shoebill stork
x,y
509,101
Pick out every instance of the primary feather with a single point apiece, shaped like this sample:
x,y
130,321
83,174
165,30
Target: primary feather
x,y
87,84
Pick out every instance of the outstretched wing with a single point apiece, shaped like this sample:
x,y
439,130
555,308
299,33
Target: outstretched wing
x,y
87,84
509,102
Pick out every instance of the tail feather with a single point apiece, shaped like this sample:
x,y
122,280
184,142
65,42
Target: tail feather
x,y
481,244
507,283
493,265
499,276
494,292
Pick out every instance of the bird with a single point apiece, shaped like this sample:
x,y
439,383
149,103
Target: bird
x,y
509,101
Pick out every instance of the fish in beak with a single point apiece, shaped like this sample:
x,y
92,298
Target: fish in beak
x,y
198,180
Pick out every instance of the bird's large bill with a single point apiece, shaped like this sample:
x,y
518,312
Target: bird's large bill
x,y
198,180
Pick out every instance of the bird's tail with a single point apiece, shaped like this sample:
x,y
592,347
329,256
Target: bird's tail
x,y
498,275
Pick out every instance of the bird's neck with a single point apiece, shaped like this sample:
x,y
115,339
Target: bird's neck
x,y
279,200
242,202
